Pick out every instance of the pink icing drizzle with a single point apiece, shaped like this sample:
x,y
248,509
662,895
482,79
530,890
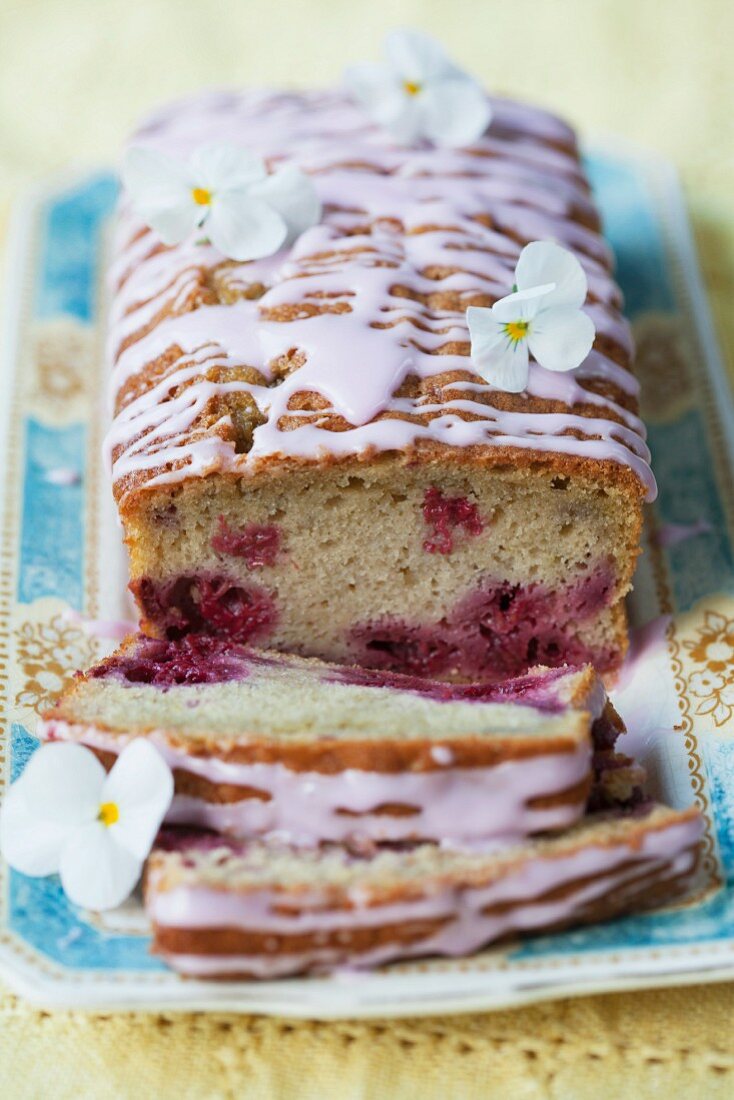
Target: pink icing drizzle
x,y
357,259
457,804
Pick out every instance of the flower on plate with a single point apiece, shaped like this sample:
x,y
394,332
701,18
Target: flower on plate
x,y
716,694
418,92
713,681
705,684
66,814
227,192
48,652
714,647
542,317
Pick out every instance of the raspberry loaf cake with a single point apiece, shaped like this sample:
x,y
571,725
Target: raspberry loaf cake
x,y
260,742
303,455
226,909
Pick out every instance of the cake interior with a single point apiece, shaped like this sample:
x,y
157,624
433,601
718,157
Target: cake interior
x,y
208,688
427,569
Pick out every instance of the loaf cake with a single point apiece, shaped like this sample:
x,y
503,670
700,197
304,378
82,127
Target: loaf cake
x,y
224,909
303,453
261,742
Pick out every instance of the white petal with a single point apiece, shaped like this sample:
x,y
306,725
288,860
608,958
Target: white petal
x,y
546,262
141,786
30,843
455,111
245,228
505,366
560,339
416,56
481,322
521,305
406,123
153,179
500,361
292,194
370,83
95,872
160,188
174,223
225,166
485,331
386,101
61,783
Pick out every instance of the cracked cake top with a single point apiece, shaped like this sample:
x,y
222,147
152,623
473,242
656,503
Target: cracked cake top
x,y
353,339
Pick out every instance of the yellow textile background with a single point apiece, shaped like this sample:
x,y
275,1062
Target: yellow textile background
x,y
74,76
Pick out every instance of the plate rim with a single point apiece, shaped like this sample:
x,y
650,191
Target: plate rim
x,y
472,989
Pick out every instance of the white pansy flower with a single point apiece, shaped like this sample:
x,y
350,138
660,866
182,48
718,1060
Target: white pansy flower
x,y
226,192
419,93
542,317
66,814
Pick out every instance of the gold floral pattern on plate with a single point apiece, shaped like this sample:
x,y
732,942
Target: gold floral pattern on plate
x,y
48,653
712,683
661,364
63,369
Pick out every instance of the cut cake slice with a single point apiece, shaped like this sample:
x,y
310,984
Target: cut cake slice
x,y
230,909
261,742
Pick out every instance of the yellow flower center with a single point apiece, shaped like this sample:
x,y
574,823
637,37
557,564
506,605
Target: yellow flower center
x,y
516,330
109,813
411,87
201,196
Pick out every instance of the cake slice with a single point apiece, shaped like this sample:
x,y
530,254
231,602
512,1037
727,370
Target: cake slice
x,y
303,453
261,742
223,909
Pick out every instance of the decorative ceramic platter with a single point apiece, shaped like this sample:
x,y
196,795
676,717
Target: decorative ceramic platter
x,y
61,553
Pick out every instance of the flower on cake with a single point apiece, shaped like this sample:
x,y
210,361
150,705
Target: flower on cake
x,y
418,92
66,814
224,191
542,317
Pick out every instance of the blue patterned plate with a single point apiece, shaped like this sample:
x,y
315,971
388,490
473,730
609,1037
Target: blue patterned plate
x,y
61,553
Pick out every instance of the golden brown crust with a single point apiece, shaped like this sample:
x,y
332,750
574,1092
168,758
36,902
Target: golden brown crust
x,y
330,757
605,475
191,785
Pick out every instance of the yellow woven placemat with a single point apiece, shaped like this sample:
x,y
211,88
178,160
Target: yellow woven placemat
x,y
74,75
677,1043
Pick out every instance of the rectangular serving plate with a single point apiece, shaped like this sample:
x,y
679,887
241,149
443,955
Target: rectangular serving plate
x,y
62,553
